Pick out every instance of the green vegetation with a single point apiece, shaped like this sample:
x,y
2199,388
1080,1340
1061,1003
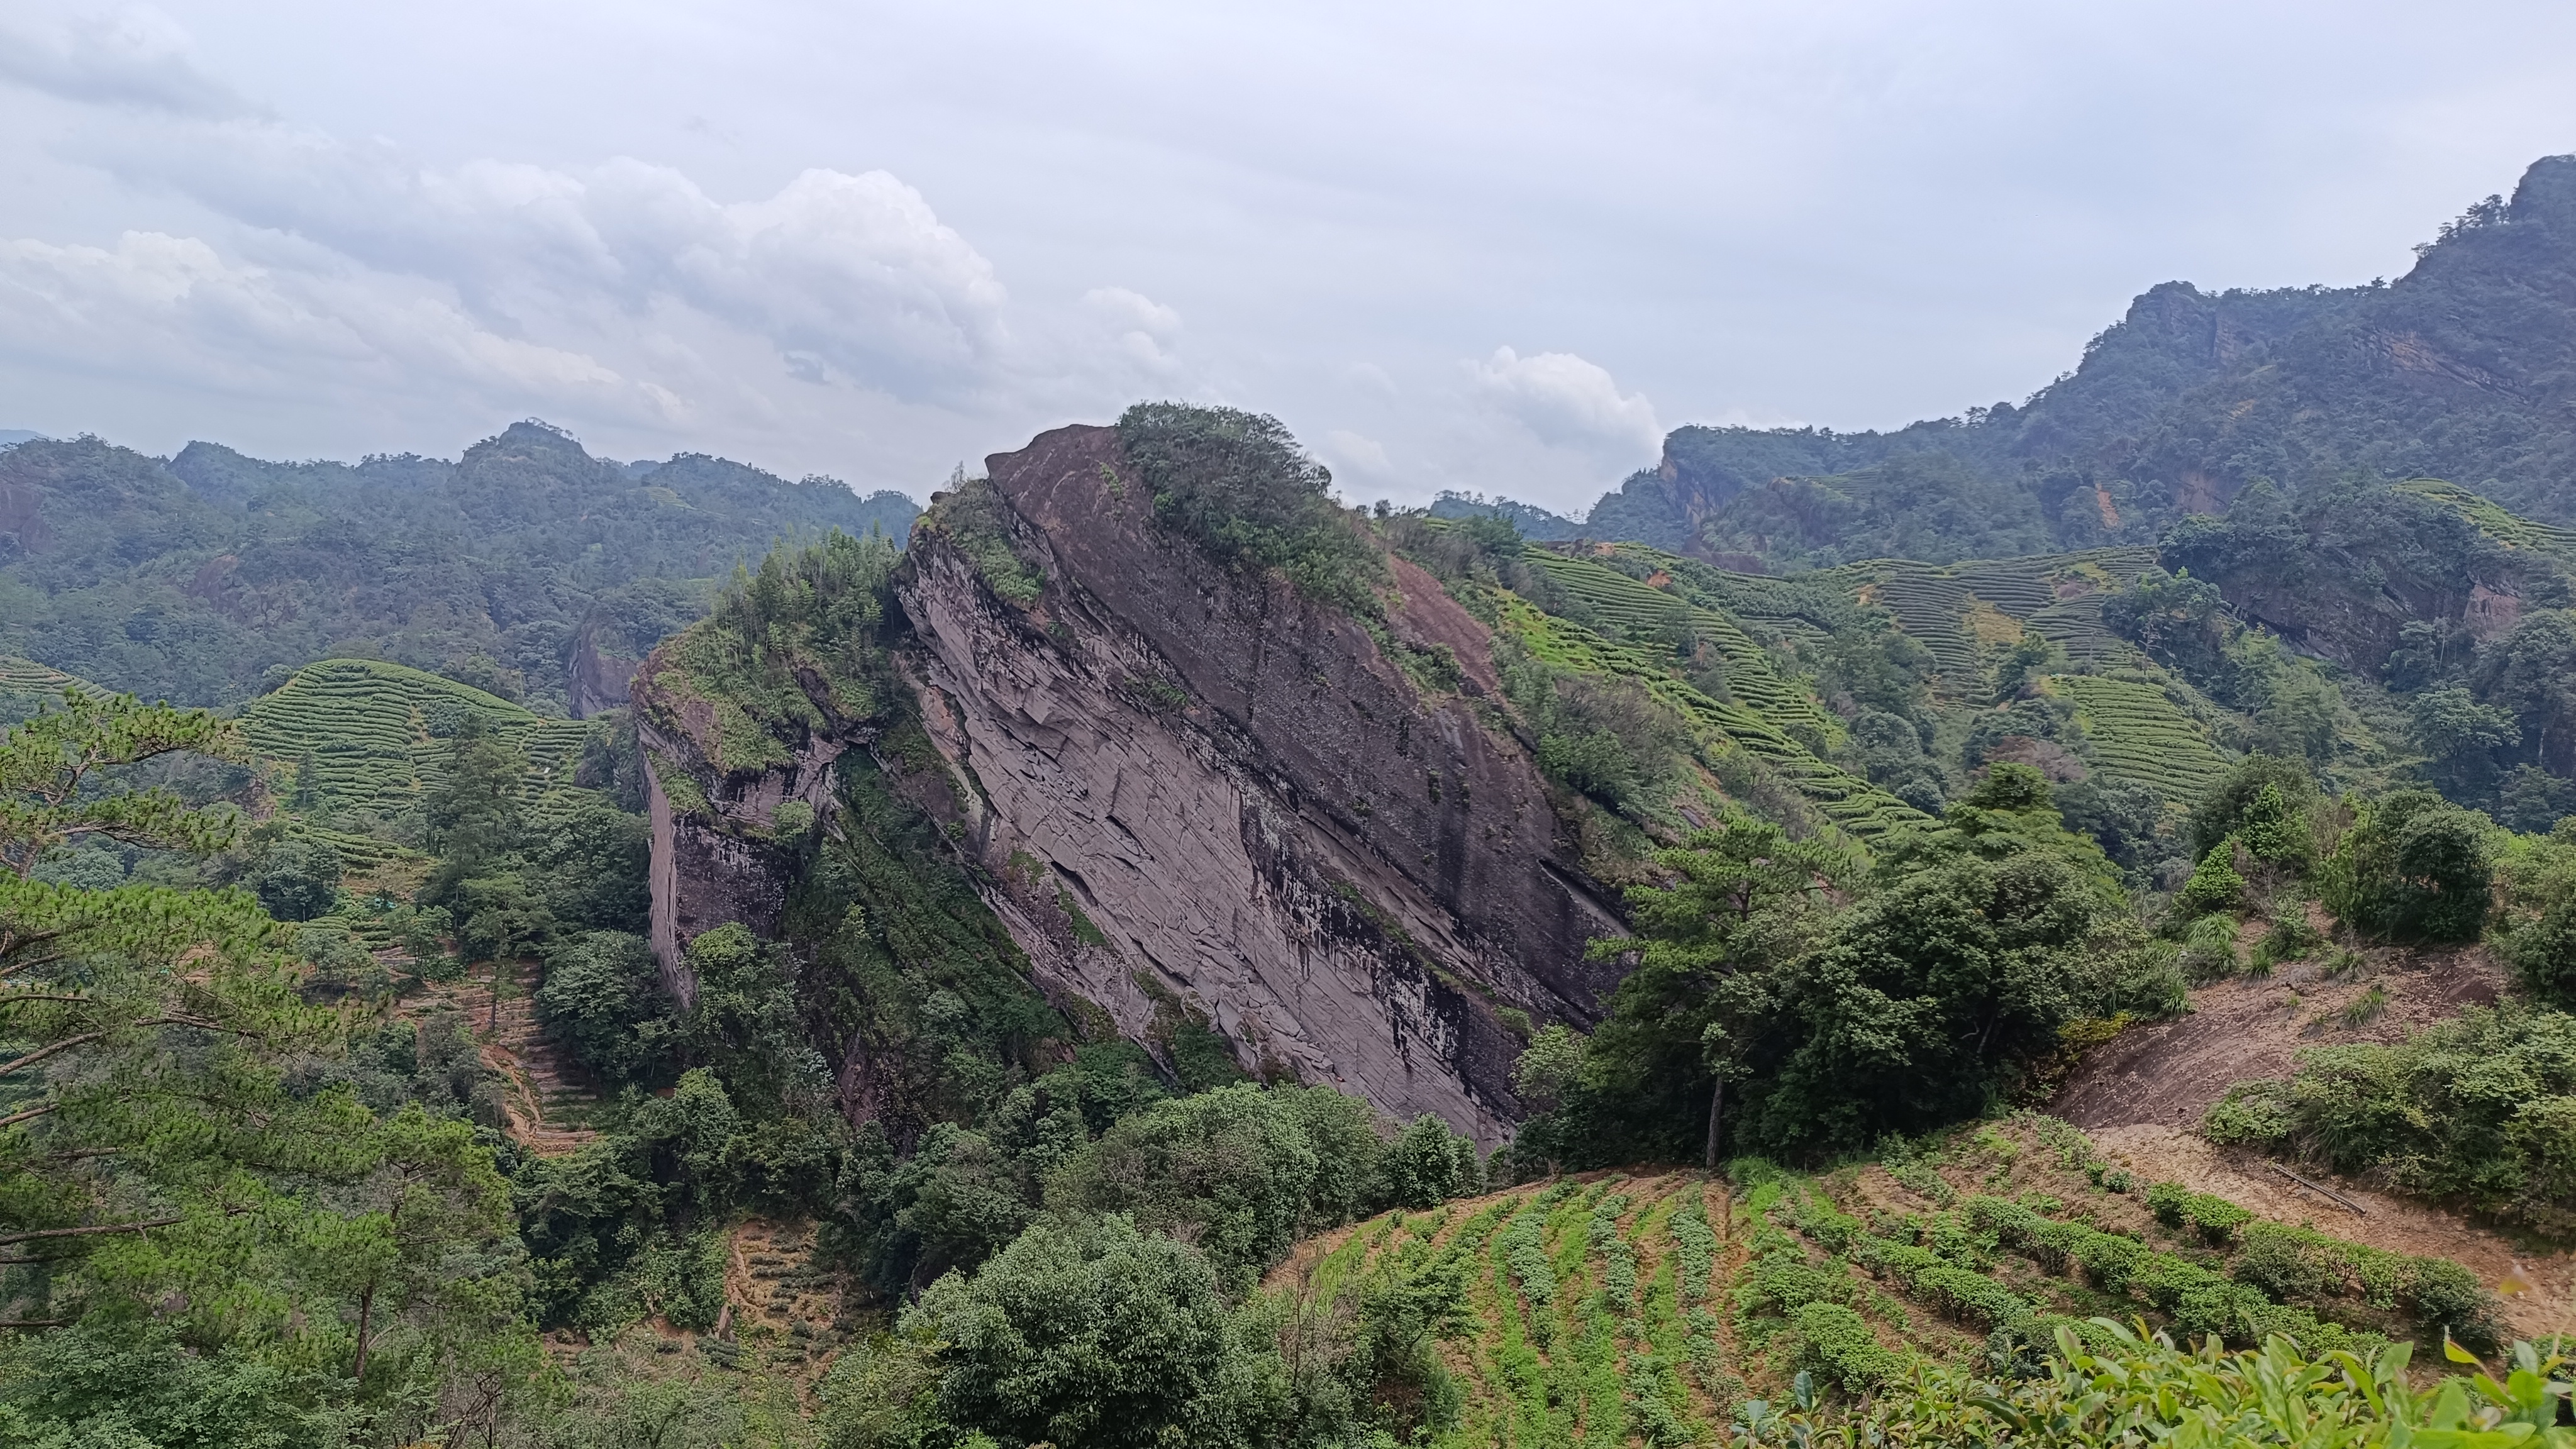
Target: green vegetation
x,y
212,1242
1237,484
1948,976
2480,1110
363,735
195,578
2414,868
1957,1279
2138,733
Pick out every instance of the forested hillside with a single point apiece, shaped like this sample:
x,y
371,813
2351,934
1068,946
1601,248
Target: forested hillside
x,y
526,567
2459,370
1158,957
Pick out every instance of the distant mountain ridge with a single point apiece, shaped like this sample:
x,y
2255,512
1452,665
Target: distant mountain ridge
x,y
526,567
2464,368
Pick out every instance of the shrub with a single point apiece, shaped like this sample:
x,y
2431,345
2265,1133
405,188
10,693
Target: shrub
x,y
2544,955
297,879
2481,1109
2209,950
603,998
2264,793
2104,1384
1428,1164
1837,1344
1237,484
2214,884
2415,868
2214,1218
1089,1333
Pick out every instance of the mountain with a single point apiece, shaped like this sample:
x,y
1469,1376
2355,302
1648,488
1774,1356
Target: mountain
x,y
526,566
2464,368
1358,837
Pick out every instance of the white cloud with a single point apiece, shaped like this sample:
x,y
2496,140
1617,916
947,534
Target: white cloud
x,y
171,307
1567,401
1144,327
847,278
1362,455
129,57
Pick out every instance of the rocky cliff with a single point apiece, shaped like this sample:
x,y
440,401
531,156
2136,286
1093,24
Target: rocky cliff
x,y
1190,791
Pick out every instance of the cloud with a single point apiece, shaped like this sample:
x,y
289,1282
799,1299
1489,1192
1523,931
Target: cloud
x,y
1567,402
1363,455
171,307
131,57
847,278
1144,327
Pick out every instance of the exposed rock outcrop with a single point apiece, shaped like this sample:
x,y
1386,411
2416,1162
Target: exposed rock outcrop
x,y
1251,805
1190,791
715,858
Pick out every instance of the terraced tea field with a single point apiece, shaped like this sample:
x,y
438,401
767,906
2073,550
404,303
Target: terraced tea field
x,y
2057,596
2140,734
1849,801
1594,1305
366,728
1650,617
1642,1307
26,687
2496,521
1963,614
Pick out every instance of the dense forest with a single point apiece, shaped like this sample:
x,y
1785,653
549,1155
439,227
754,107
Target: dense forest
x,y
205,577
363,1081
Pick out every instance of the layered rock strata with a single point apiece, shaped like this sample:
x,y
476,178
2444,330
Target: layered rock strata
x,y
1191,784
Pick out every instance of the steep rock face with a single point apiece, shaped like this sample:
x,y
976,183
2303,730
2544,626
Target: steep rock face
x,y
1193,785
716,860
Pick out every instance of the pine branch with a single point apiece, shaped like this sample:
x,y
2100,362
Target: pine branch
x,y
13,1239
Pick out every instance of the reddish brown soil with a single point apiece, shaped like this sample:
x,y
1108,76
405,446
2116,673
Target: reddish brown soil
x,y
2168,1073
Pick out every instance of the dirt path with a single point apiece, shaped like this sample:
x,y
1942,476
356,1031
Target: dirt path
x,y
2537,1284
542,1091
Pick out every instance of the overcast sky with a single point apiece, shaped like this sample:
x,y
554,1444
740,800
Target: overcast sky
x,y
1494,246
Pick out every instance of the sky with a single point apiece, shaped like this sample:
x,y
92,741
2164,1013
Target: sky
x,y
1496,247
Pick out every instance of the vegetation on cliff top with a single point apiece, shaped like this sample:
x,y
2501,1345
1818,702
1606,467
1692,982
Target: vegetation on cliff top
x,y
1238,485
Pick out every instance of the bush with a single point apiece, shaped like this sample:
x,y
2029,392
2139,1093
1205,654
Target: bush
x,y
1079,1333
2415,868
1837,1343
2215,884
1233,1169
1428,1164
603,999
2544,955
1237,484
2264,793
2214,1218
297,879
2209,950
2104,1384
2480,1109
